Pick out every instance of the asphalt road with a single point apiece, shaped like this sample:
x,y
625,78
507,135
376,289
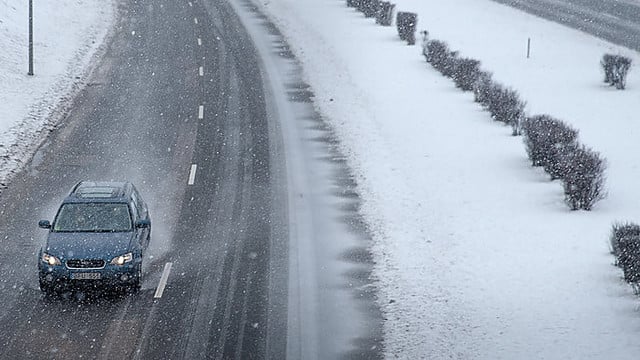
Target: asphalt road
x,y
178,106
617,21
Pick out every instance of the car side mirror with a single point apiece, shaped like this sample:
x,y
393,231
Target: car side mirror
x,y
143,223
44,224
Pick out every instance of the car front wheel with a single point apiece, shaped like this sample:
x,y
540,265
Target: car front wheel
x,y
137,283
47,289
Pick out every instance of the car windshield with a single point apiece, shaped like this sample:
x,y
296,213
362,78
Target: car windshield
x,y
93,217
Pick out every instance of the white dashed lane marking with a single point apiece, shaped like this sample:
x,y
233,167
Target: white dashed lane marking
x,y
163,281
201,112
192,174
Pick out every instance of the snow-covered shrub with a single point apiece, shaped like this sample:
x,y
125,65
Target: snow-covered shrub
x,y
466,73
482,87
608,62
353,3
505,106
368,7
620,234
491,94
406,23
629,258
384,15
620,75
437,54
448,67
488,94
554,145
615,69
566,143
547,141
583,177
625,245
534,138
434,51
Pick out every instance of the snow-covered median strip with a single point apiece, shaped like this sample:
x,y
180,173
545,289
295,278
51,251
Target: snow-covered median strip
x,y
67,34
477,256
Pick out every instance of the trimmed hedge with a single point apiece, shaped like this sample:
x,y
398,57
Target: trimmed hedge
x,y
616,68
547,141
554,145
437,54
449,67
505,106
466,73
368,7
625,245
583,178
481,87
384,14
407,23
353,3
620,233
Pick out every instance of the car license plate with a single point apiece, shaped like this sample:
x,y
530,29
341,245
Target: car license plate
x,y
86,276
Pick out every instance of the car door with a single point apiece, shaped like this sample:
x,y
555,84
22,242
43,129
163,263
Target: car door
x,y
143,234
143,211
138,232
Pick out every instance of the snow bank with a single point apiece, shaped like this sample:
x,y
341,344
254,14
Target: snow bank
x,y
477,255
67,34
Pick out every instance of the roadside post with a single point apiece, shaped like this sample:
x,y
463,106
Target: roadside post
x,y
30,38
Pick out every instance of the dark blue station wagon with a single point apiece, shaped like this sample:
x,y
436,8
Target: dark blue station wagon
x,y
97,238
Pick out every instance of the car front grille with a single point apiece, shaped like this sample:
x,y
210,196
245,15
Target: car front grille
x,y
85,263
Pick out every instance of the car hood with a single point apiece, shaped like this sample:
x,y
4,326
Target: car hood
x,y
88,245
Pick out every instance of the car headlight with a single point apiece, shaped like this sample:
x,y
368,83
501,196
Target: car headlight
x,y
50,259
122,259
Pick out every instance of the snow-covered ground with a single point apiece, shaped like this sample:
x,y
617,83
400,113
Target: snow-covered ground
x,y
477,255
67,34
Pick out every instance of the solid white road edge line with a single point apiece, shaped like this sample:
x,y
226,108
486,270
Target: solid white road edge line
x,y
201,112
201,71
192,174
163,280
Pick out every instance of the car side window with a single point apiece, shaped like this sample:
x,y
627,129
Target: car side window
x,y
142,209
134,210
